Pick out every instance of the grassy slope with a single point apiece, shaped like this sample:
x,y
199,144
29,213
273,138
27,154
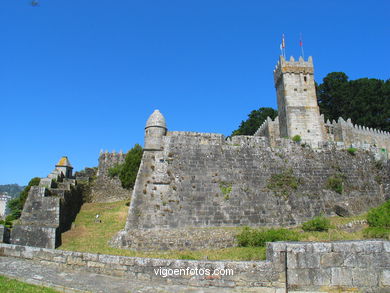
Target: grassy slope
x,y
90,236
11,286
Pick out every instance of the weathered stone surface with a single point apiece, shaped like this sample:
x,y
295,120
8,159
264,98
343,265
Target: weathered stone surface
x,y
202,180
49,210
341,276
342,210
105,188
315,269
385,278
168,239
2,232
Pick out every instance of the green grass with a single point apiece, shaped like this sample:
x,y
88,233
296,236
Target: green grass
x,y
317,224
89,236
13,286
296,138
351,151
335,183
250,237
282,184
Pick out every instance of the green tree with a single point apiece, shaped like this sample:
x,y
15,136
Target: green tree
x,y
16,205
255,119
333,94
127,171
365,101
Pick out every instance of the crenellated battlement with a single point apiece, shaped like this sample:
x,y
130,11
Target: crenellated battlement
x,y
292,66
356,135
358,128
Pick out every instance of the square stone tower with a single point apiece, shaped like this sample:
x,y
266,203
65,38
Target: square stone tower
x,y
298,109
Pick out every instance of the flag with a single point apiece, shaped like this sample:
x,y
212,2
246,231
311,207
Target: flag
x,y
300,41
283,44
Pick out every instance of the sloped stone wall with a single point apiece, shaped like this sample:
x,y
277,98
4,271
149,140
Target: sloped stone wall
x,y
49,210
203,180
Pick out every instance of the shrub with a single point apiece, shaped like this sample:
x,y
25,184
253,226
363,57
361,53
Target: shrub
x,y
258,237
6,223
351,151
16,205
377,232
283,183
380,216
296,138
225,188
335,183
127,171
115,170
317,224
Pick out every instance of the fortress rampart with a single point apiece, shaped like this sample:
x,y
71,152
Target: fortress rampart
x,y
202,180
357,135
190,181
341,266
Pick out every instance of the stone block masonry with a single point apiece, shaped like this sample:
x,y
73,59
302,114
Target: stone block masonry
x,y
202,180
103,187
342,266
49,210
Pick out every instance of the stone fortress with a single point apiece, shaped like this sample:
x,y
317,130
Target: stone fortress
x,y
189,183
191,187
299,113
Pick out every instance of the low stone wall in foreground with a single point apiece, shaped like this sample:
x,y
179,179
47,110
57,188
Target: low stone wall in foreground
x,y
343,266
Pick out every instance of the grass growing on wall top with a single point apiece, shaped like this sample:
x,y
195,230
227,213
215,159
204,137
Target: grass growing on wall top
x,y
8,285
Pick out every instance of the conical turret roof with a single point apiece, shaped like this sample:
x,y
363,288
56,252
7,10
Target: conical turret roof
x,y
64,162
156,119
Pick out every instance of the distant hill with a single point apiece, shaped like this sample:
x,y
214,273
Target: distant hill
x,y
13,190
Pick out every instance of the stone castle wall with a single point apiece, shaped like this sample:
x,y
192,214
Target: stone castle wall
x,y
105,188
49,210
341,131
202,180
269,129
356,135
342,266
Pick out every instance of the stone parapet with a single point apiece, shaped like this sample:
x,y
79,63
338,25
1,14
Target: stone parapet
x,y
340,266
353,135
261,276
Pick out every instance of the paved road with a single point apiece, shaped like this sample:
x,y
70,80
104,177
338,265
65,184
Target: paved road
x,y
75,281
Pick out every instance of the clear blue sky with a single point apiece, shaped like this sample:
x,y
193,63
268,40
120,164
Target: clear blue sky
x,y
80,76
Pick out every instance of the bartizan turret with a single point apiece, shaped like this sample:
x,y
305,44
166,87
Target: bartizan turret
x,y
64,167
155,130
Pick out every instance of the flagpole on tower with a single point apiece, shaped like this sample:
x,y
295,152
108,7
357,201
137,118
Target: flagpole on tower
x,y
283,47
301,45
